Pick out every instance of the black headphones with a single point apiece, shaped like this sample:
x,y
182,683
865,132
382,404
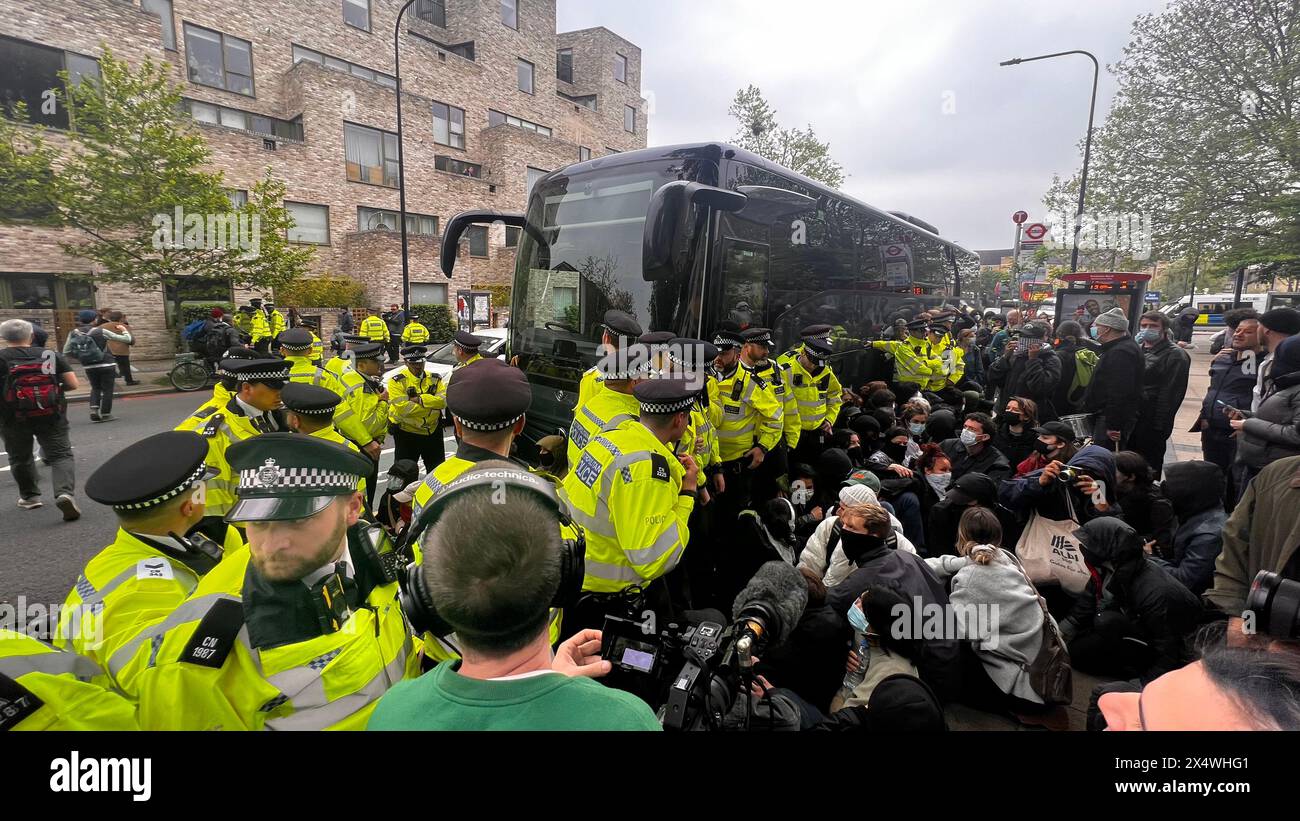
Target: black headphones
x,y
573,552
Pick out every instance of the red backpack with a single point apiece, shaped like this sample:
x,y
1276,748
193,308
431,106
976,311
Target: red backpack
x,y
32,391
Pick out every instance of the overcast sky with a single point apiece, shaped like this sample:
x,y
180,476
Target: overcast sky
x,y
872,77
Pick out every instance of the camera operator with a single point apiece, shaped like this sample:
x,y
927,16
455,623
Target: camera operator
x,y
492,566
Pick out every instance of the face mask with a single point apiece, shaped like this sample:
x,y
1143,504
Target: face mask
x,y
1044,448
396,484
895,452
857,545
857,619
1092,332
1148,335
968,437
916,428
1013,418
939,481
854,453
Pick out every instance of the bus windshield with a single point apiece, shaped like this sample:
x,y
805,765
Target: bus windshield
x,y
590,261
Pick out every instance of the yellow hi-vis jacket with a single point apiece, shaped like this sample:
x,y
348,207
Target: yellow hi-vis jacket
x,y
370,402
317,348
624,491
913,361
777,375
199,670
751,414
50,689
346,419
958,365
592,381
819,395
222,424
415,334
127,586
277,323
422,414
605,411
943,352
258,327
375,329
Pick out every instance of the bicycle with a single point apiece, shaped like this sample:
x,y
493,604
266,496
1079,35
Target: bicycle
x,y
191,372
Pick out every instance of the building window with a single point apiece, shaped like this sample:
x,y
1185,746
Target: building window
x,y
512,236
302,54
238,197
213,114
219,60
497,118
45,292
535,174
584,154
311,223
524,70
620,68
357,13
187,291
478,240
163,8
451,165
564,65
563,301
586,100
29,71
448,125
428,293
371,155
629,119
510,13
432,11
381,219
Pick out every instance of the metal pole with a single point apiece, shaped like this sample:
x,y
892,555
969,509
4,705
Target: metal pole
x,y
401,162
1015,255
1087,145
1241,280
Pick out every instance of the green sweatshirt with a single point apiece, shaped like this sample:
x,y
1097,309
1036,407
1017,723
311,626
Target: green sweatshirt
x,y
442,699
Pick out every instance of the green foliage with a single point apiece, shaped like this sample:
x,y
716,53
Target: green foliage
x,y
793,148
322,292
194,311
438,319
132,160
500,295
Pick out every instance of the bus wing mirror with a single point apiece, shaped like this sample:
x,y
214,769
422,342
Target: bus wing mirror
x,y
460,223
670,224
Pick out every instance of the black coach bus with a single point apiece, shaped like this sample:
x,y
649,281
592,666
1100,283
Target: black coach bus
x,y
684,237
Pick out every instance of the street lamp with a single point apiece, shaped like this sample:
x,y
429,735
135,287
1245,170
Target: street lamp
x,y
1087,145
401,161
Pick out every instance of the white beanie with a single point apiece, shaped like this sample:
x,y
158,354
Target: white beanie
x,y
858,495
1113,319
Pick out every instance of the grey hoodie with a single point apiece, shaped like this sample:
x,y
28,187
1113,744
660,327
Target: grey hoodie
x,y
1007,634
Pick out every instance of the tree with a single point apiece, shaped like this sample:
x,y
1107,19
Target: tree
x,y
1202,137
129,178
796,149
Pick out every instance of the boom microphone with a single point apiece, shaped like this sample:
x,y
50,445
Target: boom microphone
x,y
771,604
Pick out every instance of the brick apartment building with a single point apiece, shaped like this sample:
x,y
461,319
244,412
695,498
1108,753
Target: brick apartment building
x,y
492,98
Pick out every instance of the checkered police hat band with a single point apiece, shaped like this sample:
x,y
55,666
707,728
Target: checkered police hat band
x,y
271,477
198,474
314,411
667,407
725,342
488,426
256,375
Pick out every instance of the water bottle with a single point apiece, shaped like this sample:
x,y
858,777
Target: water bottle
x,y
852,680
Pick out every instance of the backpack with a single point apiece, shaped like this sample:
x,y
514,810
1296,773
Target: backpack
x,y
220,340
1085,364
32,391
194,331
83,348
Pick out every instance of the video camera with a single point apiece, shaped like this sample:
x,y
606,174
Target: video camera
x,y
691,674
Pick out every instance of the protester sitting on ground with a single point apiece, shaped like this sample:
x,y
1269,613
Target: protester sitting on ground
x,y
1145,614
935,471
1195,489
941,426
974,452
985,577
1055,443
898,482
1144,505
1043,492
971,490
913,420
824,555
1016,437
891,654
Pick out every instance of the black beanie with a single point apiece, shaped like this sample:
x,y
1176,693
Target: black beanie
x,y
1282,321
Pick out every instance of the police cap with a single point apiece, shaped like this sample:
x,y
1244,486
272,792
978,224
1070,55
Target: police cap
x,y
815,332
296,339
667,394
467,341
489,395
152,471
256,370
656,337
414,353
817,350
370,350
286,476
758,336
692,354
309,400
621,323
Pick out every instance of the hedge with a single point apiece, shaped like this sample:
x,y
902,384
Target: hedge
x,y
322,292
438,319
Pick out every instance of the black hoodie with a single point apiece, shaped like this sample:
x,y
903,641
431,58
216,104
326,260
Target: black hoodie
x,y
1160,606
1195,489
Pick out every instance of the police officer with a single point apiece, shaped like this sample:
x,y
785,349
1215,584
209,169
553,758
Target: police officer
x,y
375,329
44,688
657,346
259,329
691,583
415,411
487,404
750,424
619,330
754,356
415,333
913,361
633,497
343,361
610,403
818,394
253,409
156,489
464,346
364,387
301,631
275,320
311,411
821,332
295,347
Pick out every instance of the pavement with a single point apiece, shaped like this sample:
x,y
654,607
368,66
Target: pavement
x,y
41,560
